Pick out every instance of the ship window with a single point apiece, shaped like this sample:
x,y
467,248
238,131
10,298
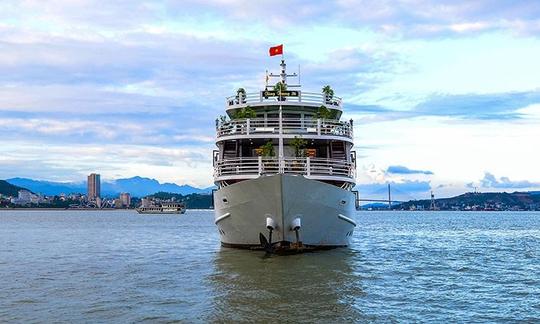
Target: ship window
x,y
225,201
296,116
343,202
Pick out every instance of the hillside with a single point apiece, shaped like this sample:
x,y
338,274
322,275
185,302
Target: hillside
x,y
193,201
7,189
482,201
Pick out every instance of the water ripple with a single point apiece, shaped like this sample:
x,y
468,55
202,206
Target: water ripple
x,y
86,266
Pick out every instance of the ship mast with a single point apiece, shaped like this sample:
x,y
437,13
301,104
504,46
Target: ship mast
x,y
283,79
283,74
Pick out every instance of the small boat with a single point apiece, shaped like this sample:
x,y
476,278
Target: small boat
x,y
163,208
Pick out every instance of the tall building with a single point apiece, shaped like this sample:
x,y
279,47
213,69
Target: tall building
x,y
125,198
25,197
94,186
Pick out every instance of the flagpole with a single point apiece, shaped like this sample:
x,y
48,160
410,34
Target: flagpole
x,y
280,148
283,82
280,144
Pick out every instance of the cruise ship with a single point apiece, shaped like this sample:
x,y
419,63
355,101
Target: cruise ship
x,y
284,169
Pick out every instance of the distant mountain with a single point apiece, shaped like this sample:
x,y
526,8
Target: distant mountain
x,y
139,186
7,189
379,205
193,201
375,206
136,186
48,187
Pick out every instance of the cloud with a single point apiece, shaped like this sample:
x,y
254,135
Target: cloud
x,y
410,18
60,162
169,65
404,190
487,107
174,128
404,18
490,181
478,106
398,169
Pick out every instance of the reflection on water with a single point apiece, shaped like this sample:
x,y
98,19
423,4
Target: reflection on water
x,y
252,286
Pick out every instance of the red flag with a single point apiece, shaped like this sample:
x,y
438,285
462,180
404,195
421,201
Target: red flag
x,y
276,50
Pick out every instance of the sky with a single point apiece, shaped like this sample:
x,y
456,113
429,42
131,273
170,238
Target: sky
x,y
445,95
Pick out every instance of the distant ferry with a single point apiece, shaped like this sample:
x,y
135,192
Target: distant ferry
x,y
163,208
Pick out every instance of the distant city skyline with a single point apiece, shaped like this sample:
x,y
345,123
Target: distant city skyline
x,y
445,95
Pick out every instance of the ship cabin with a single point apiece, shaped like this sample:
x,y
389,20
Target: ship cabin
x,y
288,132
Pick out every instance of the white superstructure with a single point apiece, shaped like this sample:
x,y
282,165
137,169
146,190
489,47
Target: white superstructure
x,y
284,169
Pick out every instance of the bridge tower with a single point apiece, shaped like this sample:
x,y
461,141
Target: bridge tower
x,y
389,198
432,206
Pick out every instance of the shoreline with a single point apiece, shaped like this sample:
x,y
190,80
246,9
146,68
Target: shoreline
x,y
70,209
199,209
82,209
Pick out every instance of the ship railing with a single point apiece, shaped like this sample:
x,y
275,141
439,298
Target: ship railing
x,y
289,126
298,97
308,166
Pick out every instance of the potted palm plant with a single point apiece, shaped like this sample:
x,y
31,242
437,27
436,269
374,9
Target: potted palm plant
x,y
328,93
279,88
325,113
267,150
298,143
246,112
241,95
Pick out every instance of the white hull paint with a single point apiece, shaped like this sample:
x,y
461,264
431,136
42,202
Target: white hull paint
x,y
326,211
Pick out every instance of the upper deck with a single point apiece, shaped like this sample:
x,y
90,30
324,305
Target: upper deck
x,y
290,127
288,98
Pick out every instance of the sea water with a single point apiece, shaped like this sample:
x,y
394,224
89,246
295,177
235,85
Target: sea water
x,y
118,266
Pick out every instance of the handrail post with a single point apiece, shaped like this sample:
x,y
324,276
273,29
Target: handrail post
x,y
318,126
260,165
308,166
247,125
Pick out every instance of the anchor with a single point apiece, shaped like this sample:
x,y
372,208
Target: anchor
x,y
267,244
295,226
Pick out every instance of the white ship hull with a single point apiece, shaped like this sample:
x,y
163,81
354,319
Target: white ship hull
x,y
325,211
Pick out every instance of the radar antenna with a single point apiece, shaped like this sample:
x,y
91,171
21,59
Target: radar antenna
x,y
283,75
